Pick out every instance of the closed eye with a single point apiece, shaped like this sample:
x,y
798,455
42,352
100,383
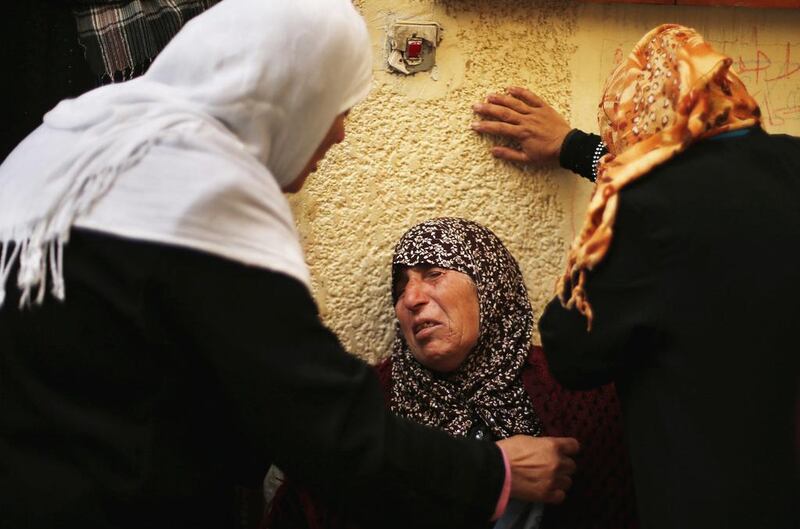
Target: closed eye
x,y
434,273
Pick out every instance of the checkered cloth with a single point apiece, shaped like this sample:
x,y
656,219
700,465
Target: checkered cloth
x,y
122,39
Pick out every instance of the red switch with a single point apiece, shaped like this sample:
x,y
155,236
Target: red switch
x,y
414,49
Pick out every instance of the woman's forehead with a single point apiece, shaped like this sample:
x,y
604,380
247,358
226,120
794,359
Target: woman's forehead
x,y
403,271
406,270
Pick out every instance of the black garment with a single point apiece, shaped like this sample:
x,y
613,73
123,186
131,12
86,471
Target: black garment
x,y
43,64
578,153
46,60
696,320
122,39
168,376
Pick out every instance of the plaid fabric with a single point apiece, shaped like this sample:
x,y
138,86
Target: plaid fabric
x,y
122,39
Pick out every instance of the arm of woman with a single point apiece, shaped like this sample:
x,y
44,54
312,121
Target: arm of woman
x,y
624,291
541,133
317,411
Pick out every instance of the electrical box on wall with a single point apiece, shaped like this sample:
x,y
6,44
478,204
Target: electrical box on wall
x,y
412,45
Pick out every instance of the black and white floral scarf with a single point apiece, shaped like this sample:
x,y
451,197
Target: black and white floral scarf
x,y
487,388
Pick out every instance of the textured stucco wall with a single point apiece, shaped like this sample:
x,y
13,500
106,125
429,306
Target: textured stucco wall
x,y
410,155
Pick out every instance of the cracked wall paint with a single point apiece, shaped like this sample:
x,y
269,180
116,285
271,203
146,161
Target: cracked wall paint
x,y
410,155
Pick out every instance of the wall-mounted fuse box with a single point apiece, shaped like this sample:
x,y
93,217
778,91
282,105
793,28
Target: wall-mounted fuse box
x,y
412,45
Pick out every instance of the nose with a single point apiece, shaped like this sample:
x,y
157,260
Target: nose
x,y
414,295
339,136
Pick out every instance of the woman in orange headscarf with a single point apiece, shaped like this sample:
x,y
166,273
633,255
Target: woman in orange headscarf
x,y
678,286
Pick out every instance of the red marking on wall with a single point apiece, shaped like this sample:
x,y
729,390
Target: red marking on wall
x,y
774,83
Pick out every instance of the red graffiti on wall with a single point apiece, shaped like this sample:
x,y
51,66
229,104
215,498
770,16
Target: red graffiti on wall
x,y
774,83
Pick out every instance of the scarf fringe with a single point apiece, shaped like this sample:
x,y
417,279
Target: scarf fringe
x,y
7,260
36,254
39,245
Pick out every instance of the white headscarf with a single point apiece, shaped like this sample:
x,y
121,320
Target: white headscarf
x,y
195,152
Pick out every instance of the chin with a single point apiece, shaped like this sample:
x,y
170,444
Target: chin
x,y
437,363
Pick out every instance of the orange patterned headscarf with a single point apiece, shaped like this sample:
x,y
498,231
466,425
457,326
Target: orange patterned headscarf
x,y
672,91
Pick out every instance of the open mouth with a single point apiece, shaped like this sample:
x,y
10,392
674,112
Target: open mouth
x,y
424,328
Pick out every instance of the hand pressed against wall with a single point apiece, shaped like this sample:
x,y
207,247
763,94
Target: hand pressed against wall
x,y
525,118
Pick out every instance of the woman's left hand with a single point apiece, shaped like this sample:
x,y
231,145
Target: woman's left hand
x,y
541,467
526,118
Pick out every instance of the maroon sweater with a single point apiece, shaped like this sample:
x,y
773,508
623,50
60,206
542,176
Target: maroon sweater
x,y
601,496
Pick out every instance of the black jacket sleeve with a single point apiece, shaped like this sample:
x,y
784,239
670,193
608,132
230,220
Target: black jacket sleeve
x,y
577,153
299,398
624,295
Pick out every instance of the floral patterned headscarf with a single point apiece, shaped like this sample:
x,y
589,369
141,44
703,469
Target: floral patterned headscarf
x,y
672,91
487,387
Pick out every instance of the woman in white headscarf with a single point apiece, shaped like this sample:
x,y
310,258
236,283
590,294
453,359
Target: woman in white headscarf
x,y
179,351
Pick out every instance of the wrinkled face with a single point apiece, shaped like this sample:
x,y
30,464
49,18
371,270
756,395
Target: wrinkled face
x,y
335,135
439,315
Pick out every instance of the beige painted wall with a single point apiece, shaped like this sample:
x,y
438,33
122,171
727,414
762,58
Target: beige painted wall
x,y
410,155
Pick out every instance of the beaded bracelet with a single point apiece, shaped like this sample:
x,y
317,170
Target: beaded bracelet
x,y
599,151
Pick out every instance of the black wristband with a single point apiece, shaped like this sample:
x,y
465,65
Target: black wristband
x,y
578,153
